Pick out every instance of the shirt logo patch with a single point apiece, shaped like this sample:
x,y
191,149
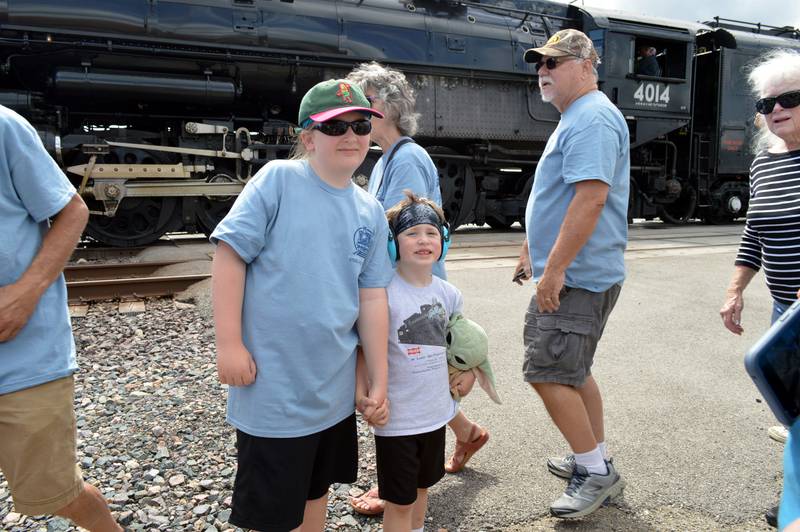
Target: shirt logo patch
x,y
413,351
362,240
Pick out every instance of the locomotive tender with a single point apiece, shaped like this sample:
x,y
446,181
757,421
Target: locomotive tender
x,y
160,110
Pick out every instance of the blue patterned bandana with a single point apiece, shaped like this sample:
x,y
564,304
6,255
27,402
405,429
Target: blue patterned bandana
x,y
416,214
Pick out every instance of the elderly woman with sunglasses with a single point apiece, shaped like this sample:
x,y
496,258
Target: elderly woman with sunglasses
x,y
406,165
771,236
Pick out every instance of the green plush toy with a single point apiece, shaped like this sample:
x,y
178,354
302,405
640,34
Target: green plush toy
x,y
468,350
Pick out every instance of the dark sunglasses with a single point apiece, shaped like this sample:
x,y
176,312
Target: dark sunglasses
x,y
337,128
788,100
552,62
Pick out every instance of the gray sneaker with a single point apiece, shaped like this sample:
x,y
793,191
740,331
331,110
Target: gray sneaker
x,y
586,492
562,466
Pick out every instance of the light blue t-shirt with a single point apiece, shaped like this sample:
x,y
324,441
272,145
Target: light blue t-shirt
x,y
32,189
309,248
411,168
590,142
790,500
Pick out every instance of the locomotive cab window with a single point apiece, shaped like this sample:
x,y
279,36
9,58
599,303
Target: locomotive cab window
x,y
657,58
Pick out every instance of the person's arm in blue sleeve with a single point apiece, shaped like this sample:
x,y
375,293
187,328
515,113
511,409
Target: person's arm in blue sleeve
x,y
19,299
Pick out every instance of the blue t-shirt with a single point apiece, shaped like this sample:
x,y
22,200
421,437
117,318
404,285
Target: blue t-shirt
x,y
411,168
790,500
32,189
309,248
590,142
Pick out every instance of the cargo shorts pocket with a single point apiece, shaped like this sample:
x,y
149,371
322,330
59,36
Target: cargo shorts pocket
x,y
561,341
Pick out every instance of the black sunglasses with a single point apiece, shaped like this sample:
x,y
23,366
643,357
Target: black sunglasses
x,y
337,128
552,62
788,100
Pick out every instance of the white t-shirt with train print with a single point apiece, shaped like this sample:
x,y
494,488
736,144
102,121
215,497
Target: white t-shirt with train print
x,y
419,390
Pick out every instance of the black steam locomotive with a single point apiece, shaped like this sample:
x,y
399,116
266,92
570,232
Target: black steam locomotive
x,y
160,110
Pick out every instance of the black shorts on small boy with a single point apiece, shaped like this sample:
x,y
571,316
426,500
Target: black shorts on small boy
x,y
276,476
408,463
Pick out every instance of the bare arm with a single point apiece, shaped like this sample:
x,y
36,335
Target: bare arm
x,y
235,365
731,310
18,300
582,214
373,329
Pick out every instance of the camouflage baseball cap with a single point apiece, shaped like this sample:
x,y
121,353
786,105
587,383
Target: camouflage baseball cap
x,y
331,98
563,43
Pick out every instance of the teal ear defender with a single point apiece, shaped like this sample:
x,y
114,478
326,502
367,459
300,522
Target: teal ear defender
x,y
394,246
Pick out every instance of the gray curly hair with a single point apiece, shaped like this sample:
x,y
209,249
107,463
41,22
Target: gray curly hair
x,y
776,66
392,87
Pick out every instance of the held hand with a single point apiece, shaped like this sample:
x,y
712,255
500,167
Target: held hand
x,y
235,365
374,413
462,382
381,414
522,272
17,303
547,290
731,311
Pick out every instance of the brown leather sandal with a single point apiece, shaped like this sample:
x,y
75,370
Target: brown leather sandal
x,y
466,449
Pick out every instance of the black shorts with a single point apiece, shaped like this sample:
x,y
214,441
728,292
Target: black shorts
x,y
408,463
276,476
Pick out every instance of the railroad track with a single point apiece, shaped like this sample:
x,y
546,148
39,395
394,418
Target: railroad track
x,y
92,282
103,280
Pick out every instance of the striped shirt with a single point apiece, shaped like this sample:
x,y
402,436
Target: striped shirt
x,y
771,238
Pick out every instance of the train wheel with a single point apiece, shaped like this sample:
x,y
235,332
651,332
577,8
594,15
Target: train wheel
x,y
682,209
138,221
457,184
211,211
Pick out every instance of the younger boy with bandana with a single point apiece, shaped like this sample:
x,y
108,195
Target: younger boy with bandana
x,y
410,447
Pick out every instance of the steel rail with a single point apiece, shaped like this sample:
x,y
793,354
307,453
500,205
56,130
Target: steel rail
x,y
140,287
88,272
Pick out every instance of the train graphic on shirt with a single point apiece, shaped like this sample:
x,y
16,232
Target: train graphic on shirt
x,y
426,327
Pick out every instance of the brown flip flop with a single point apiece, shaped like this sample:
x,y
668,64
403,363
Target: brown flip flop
x,y
467,449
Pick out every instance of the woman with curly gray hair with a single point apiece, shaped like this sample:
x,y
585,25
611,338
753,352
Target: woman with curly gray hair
x,y
405,165
771,235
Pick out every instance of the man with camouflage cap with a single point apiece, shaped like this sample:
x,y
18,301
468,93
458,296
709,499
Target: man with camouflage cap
x,y
576,223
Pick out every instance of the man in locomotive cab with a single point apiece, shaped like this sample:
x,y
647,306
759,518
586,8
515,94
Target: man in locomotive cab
x,y
576,223
647,61
37,351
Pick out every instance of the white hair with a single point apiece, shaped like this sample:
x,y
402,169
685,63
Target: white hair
x,y
777,66
394,90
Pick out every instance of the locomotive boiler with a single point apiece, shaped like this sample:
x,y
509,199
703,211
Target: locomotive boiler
x,y
161,110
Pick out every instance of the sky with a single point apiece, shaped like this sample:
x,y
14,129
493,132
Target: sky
x,y
771,12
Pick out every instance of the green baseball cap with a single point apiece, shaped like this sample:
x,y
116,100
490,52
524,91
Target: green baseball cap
x,y
331,98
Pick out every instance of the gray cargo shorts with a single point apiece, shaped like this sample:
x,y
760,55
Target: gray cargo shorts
x,y
560,346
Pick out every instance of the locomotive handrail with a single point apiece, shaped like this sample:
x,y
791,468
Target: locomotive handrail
x,y
265,55
662,79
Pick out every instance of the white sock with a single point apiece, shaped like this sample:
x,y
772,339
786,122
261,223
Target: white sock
x,y
593,461
420,529
603,449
